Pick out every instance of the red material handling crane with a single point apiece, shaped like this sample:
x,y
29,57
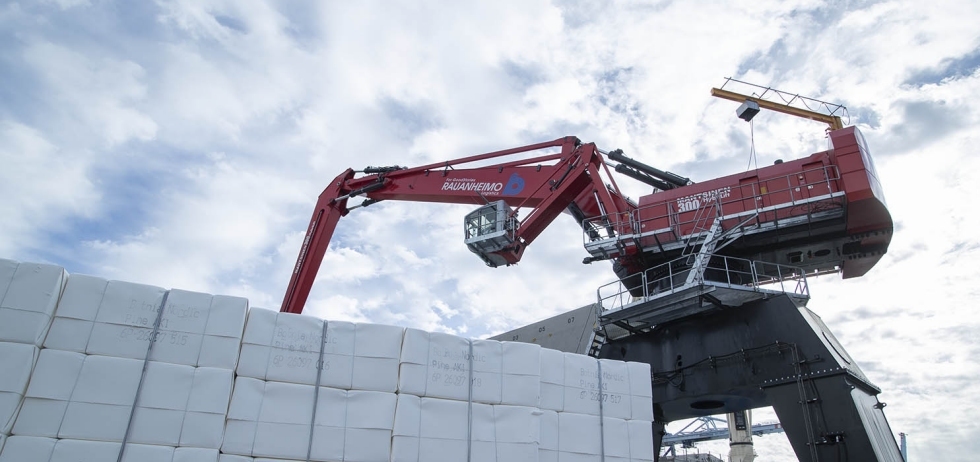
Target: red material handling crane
x,y
822,213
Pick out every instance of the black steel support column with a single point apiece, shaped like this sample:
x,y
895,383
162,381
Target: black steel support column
x,y
765,353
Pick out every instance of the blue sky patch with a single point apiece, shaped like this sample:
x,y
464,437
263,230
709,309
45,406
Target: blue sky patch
x,y
949,68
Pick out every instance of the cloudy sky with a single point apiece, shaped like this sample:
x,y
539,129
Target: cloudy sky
x,y
183,144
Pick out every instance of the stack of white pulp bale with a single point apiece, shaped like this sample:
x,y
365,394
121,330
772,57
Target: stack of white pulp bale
x,y
594,409
309,387
29,294
94,390
463,399
170,376
482,400
337,391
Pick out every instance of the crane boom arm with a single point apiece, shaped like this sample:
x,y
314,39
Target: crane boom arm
x,y
547,185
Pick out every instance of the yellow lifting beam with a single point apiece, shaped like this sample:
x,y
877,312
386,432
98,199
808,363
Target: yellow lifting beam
x,y
834,121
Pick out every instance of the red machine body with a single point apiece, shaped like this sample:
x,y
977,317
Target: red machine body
x,y
824,213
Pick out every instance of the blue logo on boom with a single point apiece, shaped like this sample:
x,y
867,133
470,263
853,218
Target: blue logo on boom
x,y
515,184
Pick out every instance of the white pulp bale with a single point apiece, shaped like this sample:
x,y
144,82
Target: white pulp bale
x,y
438,365
39,449
517,433
439,430
521,369
641,391
17,361
77,396
29,293
24,448
584,387
272,419
285,347
114,318
641,440
624,387
552,380
548,447
580,437
236,458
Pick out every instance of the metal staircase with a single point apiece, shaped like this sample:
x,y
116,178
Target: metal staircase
x,y
707,239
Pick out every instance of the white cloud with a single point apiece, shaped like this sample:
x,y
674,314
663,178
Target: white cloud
x,y
42,186
195,244
99,93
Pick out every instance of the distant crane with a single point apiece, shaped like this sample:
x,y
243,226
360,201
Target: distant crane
x,y
706,429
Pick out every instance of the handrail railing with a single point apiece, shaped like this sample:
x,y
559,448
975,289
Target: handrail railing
x,y
610,226
721,271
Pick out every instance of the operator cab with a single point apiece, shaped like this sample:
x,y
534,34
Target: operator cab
x,y
489,230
